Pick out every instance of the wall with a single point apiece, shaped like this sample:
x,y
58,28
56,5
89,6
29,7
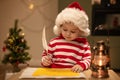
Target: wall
x,y
31,20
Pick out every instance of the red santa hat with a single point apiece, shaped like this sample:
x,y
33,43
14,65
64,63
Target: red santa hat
x,y
75,14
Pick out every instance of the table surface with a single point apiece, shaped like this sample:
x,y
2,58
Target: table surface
x,y
112,76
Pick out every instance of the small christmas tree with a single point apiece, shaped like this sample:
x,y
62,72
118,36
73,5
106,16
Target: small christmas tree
x,y
16,46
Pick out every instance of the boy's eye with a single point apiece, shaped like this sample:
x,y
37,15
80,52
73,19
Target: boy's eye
x,y
64,29
72,31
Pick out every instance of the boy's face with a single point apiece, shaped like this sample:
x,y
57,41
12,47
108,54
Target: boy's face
x,y
69,31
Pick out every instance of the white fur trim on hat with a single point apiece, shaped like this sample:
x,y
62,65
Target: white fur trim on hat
x,y
74,15
56,30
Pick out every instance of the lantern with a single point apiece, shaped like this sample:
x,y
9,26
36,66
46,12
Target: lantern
x,y
100,60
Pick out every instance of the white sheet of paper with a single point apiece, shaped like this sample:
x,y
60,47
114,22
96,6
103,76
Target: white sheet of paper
x,y
27,73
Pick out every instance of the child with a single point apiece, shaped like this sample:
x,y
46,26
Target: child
x,y
70,49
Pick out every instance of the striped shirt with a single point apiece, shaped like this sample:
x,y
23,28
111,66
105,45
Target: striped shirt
x,y
66,54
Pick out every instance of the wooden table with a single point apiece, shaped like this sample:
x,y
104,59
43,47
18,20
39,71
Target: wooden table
x,y
112,76
2,72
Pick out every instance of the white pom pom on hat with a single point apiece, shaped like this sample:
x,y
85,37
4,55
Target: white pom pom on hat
x,y
75,14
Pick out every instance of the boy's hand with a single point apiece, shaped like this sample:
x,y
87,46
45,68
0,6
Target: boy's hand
x,y
77,68
46,61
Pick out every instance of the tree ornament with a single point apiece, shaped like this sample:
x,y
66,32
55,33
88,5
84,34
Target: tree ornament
x,y
10,41
10,58
22,40
4,48
23,34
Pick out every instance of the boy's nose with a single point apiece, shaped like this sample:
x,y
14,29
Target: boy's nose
x,y
68,33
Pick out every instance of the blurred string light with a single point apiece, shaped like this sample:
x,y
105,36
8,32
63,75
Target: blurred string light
x,y
31,6
34,6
